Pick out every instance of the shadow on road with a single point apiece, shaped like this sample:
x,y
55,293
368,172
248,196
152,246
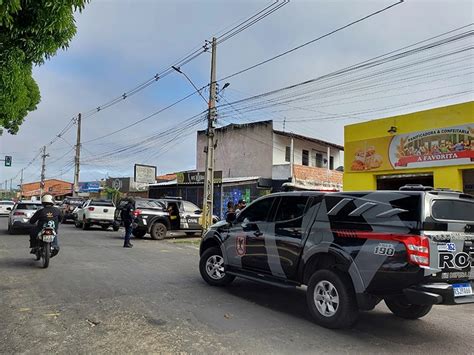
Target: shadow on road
x,y
379,323
22,263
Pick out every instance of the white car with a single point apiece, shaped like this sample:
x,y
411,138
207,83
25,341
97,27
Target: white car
x,y
6,207
19,217
95,212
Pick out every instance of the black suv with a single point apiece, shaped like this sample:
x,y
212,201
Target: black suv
x,y
151,216
412,249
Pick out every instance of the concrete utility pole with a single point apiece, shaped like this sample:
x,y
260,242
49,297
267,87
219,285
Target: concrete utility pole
x,y
43,170
77,158
208,202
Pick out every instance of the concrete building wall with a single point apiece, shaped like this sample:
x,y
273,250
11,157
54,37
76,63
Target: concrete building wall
x,y
244,150
281,142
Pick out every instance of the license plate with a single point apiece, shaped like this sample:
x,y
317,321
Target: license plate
x,y
48,238
462,290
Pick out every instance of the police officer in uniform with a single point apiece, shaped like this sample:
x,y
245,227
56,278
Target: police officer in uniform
x,y
127,217
48,215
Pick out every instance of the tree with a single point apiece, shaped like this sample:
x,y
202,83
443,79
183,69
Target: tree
x,y
31,31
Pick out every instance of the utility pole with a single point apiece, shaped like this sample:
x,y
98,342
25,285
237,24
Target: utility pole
x,y
21,184
77,158
43,170
208,202
11,185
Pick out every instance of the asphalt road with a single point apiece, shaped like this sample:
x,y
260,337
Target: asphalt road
x,y
97,297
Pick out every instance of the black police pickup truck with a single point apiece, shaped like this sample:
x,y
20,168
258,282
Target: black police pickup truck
x,y
412,249
151,216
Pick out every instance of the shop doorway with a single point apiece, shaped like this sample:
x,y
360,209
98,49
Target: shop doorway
x,y
468,181
394,182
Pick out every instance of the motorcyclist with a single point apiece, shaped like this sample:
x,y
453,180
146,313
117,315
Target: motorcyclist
x,y
46,216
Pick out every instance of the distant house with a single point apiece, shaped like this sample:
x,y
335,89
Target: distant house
x,y
256,149
54,187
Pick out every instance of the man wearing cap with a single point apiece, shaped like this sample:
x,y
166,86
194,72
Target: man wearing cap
x,y
240,206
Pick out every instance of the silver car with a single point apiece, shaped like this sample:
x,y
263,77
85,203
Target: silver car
x,y
5,207
19,218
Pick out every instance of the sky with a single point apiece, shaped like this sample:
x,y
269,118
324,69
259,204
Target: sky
x,y
120,44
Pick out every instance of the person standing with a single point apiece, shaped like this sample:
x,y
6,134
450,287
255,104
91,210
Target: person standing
x,y
240,206
127,217
230,213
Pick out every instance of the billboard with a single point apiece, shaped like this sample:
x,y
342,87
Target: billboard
x,y
429,148
145,174
90,186
197,177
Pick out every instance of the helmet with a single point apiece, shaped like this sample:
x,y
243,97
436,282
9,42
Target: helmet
x,y
47,199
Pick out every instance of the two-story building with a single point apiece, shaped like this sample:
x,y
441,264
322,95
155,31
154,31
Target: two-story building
x,y
256,149
254,159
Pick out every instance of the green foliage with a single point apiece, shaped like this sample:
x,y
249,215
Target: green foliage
x,y
31,31
113,194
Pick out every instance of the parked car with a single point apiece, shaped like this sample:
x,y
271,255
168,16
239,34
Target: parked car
x,y
68,206
411,248
5,207
151,216
19,217
95,212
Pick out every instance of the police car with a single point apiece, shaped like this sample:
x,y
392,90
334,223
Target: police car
x,y
412,249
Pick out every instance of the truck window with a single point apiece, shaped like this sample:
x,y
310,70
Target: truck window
x,y
453,210
257,211
289,216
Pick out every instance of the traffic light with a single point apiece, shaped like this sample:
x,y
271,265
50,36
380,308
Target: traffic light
x,y
8,160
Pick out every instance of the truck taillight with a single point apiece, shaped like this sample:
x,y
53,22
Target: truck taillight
x,y
418,249
136,213
91,208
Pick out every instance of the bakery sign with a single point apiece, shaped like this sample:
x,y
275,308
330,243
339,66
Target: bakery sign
x,y
429,148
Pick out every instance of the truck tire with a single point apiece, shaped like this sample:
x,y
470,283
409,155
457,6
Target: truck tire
x,y
139,233
211,267
158,231
403,309
331,299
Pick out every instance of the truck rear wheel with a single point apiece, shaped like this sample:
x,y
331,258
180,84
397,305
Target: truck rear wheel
x,y
403,309
331,299
158,231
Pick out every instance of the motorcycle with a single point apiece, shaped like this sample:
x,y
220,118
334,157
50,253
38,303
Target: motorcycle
x,y
44,239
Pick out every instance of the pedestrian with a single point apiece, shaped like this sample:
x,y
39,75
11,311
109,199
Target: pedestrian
x,y
175,220
230,213
240,206
127,218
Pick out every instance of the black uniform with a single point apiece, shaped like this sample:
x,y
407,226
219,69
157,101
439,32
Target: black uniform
x,y
46,216
127,218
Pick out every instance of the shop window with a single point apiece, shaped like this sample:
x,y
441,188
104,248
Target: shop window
x,y
287,154
305,158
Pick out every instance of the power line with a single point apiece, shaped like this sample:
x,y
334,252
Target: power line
x,y
310,42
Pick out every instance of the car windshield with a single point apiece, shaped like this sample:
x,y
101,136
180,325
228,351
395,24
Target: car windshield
x,y
28,206
453,210
102,203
